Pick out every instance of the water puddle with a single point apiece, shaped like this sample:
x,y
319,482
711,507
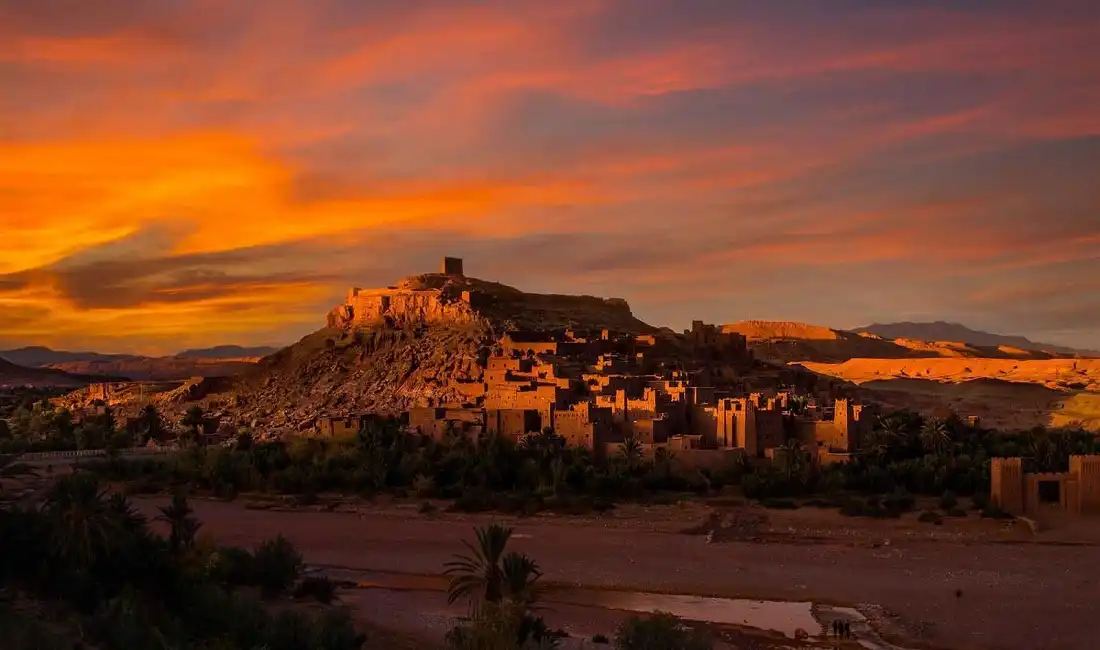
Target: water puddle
x,y
782,617
778,616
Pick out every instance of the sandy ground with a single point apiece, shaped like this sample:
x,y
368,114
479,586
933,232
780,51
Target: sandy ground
x,y
1015,595
1005,393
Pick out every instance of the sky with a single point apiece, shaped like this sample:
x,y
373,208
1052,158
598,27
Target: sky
x,y
182,173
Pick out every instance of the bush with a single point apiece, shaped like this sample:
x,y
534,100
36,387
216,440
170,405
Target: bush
x,y
424,486
819,503
779,504
320,589
929,517
956,512
853,507
277,565
899,502
993,512
948,500
230,566
426,507
979,501
601,639
472,500
660,631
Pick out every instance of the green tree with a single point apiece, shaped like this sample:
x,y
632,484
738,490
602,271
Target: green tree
x,y
661,631
149,423
192,420
631,452
935,436
277,565
86,528
182,526
489,575
792,458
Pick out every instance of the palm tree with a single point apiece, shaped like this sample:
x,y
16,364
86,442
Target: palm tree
x,y
487,575
792,454
193,419
631,451
935,435
177,515
87,524
150,422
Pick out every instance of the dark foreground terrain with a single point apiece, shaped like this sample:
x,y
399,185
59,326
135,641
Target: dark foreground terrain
x,y
1011,596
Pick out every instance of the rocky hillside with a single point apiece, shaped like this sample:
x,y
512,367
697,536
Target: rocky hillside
x,y
785,342
388,366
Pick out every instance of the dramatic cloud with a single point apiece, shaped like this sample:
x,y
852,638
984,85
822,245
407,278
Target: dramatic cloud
x,y
192,172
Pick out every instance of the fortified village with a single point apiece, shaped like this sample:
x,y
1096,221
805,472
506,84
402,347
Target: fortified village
x,y
597,387
447,354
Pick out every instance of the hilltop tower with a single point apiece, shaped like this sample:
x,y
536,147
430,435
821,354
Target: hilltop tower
x,y
452,266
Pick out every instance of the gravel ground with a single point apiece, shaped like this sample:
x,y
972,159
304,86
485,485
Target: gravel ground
x,y
1013,596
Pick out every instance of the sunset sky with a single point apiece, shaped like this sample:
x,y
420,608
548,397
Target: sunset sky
x,y
181,173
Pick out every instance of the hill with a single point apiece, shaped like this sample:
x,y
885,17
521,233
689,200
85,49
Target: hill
x,y
943,331
228,352
15,375
38,356
785,342
421,342
222,361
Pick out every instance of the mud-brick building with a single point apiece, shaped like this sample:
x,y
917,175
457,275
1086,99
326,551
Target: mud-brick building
x,y
1027,493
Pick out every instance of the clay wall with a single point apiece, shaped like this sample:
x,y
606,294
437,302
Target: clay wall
x,y
471,391
336,427
471,415
703,421
652,430
512,423
1087,471
1006,487
424,419
399,307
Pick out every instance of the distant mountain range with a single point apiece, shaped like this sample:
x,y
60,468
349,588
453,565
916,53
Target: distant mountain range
x,y
208,362
16,375
228,352
943,331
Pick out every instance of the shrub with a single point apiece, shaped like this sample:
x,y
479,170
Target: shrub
x,y
426,507
854,508
472,500
230,566
948,500
979,501
956,512
277,565
819,503
899,502
424,486
660,631
929,517
993,512
320,589
779,504
601,639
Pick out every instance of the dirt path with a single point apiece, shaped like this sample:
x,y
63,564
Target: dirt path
x,y
1014,596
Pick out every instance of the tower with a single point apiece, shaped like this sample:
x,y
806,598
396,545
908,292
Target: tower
x,y
452,266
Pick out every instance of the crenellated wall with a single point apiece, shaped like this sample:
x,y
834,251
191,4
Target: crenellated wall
x,y
399,307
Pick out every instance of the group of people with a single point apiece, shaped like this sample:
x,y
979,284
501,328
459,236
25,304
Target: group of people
x,y
842,629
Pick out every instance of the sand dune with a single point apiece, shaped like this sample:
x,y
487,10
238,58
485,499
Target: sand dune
x,y
1005,393
1066,374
